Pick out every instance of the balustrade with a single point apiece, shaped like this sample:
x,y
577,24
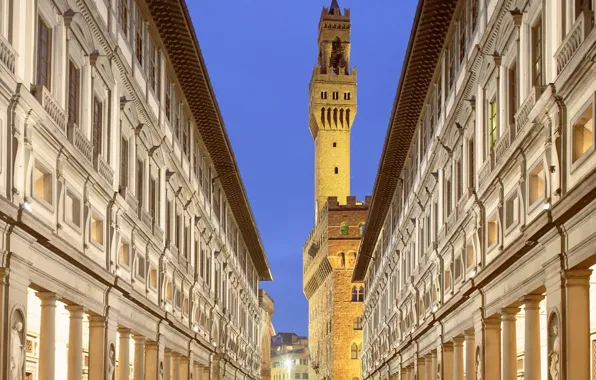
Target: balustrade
x,y
576,36
7,54
51,106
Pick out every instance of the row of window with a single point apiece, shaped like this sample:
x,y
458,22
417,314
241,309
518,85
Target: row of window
x,y
297,375
335,95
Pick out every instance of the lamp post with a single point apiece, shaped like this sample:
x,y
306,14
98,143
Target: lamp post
x,y
288,364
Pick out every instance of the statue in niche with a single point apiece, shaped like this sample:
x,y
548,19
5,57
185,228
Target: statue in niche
x,y
111,362
478,372
17,351
439,371
554,350
160,371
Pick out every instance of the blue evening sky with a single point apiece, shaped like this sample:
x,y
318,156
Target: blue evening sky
x,y
260,55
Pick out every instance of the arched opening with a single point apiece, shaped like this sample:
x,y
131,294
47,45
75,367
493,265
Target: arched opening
x,y
342,260
354,351
354,294
361,294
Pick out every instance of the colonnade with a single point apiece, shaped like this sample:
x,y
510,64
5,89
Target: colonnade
x,y
489,347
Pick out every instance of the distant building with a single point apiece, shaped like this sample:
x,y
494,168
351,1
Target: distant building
x,y
334,301
289,356
267,331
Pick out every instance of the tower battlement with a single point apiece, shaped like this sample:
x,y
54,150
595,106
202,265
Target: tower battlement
x,y
351,203
335,14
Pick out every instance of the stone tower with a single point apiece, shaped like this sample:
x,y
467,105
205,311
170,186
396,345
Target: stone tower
x,y
332,106
329,254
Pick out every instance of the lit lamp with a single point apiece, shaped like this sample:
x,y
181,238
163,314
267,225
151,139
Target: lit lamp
x,y
288,364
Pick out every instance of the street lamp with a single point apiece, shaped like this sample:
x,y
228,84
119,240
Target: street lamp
x,y
288,364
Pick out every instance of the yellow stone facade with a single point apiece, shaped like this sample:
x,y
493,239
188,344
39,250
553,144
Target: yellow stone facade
x,y
335,303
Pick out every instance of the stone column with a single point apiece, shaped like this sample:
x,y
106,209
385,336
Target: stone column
x,y
577,327
458,358
175,366
532,337
434,369
97,331
139,366
183,368
447,361
421,369
151,360
47,336
196,370
167,364
123,354
75,342
470,347
492,348
509,364
428,367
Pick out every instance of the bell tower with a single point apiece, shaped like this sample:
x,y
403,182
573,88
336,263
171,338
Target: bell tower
x,y
332,106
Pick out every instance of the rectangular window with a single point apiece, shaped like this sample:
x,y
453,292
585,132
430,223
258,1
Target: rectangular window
x,y
439,98
492,124
153,278
124,163
96,230
153,66
97,135
44,53
512,92
537,69
74,79
471,164
511,211
459,180
177,230
141,270
42,183
139,35
451,64
462,36
536,184
582,5
140,181
185,135
168,98
124,254
72,209
583,134
153,199
448,202
347,96
335,95
492,231
473,15
123,14
169,222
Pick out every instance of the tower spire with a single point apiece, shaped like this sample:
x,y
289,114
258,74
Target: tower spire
x,y
334,7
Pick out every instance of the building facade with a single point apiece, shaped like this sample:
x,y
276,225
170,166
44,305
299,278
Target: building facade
x,y
289,357
479,246
267,331
128,246
329,254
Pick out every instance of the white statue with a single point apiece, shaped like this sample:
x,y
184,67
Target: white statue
x,y
160,370
16,352
478,372
111,362
554,354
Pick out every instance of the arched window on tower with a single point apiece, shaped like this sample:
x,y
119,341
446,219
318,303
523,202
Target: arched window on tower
x,y
354,351
354,294
342,260
361,294
336,170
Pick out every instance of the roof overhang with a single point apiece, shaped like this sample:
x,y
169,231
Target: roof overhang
x,y
427,38
175,28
